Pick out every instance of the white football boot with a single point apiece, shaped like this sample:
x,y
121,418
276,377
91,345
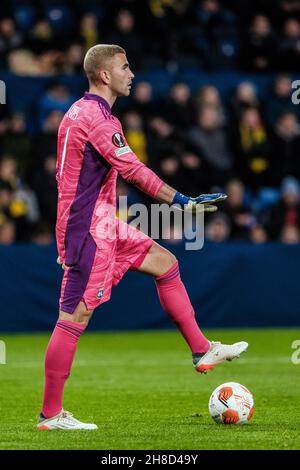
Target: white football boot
x,y
65,421
218,353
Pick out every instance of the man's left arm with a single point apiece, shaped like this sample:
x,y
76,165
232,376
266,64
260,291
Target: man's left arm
x,y
109,141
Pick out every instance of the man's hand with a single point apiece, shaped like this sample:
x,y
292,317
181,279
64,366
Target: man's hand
x,y
202,203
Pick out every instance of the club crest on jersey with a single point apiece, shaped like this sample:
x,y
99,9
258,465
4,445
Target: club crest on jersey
x,y
118,140
73,113
100,293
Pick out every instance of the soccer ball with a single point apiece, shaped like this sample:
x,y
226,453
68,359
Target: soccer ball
x,y
231,403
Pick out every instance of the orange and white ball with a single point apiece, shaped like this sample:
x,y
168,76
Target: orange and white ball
x,y
231,403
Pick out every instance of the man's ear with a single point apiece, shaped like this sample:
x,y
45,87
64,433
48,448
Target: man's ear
x,y
104,76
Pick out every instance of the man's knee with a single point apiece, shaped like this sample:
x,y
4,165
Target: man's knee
x,y
157,261
170,259
166,260
80,315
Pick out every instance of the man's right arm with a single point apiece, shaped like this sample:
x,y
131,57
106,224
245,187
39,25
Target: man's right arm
x,y
166,194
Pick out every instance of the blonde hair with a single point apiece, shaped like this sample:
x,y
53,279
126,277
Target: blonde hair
x,y
96,57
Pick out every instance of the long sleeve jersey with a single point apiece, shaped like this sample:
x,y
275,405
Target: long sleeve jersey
x,y
91,152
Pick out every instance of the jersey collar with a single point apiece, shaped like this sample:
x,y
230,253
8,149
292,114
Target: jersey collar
x,y
92,96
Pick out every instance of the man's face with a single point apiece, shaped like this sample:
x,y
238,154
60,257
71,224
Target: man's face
x,y
120,75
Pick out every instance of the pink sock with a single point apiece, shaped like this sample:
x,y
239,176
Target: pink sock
x,y
58,362
175,301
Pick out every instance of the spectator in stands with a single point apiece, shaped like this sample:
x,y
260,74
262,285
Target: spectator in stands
x,y
218,228
89,30
212,25
287,212
56,98
209,141
165,31
191,178
178,107
52,122
40,37
135,135
10,39
209,96
258,234
46,49
285,148
45,142
238,212
244,97
42,233
290,235
252,150
8,170
17,142
44,184
259,46
7,231
280,100
126,36
288,8
162,140
51,62
23,203
73,60
23,62
289,46
13,210
142,101
4,126
169,169
212,17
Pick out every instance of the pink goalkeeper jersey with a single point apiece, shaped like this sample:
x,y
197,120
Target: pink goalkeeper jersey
x,y
91,151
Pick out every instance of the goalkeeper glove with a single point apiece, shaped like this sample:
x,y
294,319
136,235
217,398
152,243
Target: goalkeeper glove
x,y
200,203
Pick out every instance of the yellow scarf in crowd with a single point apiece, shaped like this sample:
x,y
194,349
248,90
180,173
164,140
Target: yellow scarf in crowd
x,y
249,138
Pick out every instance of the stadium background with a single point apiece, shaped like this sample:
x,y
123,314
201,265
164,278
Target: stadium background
x,y
211,109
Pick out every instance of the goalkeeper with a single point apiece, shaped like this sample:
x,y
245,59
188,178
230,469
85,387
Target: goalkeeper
x,y
95,247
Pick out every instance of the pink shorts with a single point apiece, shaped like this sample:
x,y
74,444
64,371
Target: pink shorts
x,y
99,269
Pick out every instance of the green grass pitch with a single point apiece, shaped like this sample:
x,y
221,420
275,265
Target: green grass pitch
x,y
141,390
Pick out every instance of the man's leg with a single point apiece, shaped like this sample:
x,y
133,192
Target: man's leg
x,y
173,296
174,299
59,356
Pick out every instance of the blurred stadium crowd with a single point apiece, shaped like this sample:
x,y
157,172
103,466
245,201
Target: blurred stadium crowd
x,y
247,145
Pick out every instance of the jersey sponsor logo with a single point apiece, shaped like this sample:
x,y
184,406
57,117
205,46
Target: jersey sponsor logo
x,y
123,150
118,140
73,113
